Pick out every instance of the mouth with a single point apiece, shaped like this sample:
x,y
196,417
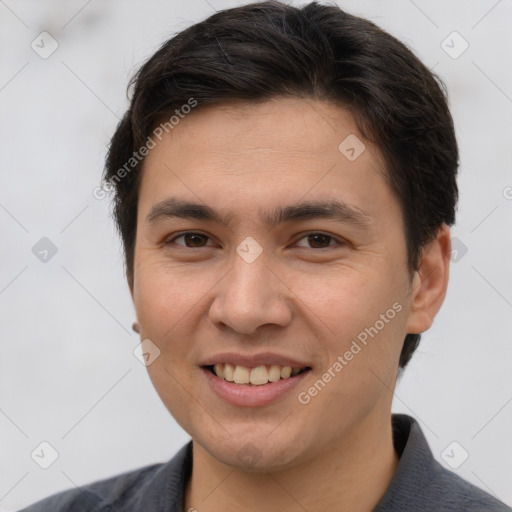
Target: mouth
x,y
256,376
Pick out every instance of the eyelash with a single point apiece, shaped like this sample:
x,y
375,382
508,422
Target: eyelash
x,y
169,241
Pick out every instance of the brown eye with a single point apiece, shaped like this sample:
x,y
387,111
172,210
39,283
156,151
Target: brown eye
x,y
192,240
319,240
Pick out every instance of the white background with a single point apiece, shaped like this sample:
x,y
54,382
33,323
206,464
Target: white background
x,y
67,372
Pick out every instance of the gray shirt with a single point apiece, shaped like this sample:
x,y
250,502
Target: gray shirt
x,y
420,484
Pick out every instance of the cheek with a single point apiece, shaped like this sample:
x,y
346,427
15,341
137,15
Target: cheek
x,y
359,315
168,305
343,301
163,296
361,358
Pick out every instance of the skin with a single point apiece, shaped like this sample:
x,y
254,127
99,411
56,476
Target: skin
x,y
302,297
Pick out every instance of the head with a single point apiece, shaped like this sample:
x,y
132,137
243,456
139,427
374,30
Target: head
x,y
260,109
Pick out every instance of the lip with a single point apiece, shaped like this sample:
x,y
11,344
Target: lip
x,y
246,395
251,361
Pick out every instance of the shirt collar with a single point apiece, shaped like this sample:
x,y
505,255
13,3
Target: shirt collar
x,y
414,468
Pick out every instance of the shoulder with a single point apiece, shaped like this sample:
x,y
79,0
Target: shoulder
x,y
422,483
140,489
455,493
99,495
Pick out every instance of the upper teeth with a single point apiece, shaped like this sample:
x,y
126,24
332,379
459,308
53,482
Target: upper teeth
x,y
257,376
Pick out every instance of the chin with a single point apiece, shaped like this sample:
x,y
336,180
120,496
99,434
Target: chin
x,y
254,453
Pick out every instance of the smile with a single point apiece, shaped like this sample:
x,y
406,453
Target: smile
x,y
257,376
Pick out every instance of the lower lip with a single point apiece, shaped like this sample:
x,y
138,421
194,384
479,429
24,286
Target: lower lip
x,y
247,395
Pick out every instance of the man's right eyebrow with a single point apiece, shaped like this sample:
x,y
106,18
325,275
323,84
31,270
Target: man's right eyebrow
x,y
174,207
320,209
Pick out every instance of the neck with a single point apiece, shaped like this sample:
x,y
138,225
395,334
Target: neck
x,y
351,476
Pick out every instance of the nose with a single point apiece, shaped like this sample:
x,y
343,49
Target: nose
x,y
251,295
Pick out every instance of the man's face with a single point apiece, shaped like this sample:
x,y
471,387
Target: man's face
x,y
321,286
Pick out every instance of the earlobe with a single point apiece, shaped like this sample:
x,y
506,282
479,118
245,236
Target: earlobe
x,y
430,282
129,278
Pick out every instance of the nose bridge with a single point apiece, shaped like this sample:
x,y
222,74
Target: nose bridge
x,y
249,295
250,275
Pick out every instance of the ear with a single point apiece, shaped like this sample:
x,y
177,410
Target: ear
x,y
430,281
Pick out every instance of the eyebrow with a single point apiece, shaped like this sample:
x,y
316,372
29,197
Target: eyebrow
x,y
335,209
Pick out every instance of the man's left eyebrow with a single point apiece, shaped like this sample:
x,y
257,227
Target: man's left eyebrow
x,y
326,209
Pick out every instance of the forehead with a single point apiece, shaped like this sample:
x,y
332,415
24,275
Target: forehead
x,y
277,152
278,124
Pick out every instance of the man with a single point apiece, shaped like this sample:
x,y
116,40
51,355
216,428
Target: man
x,y
284,184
